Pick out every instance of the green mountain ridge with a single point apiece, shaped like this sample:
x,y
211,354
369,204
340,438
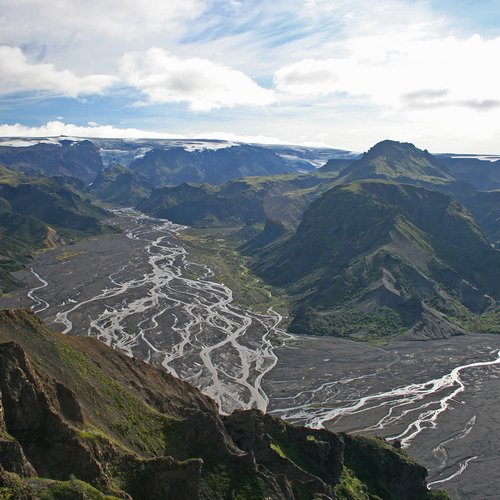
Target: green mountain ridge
x,y
244,201
407,258
375,258
399,162
37,213
81,420
118,184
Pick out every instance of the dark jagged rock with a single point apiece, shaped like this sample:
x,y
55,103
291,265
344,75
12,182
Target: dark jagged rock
x,y
274,444
32,414
165,477
13,459
390,475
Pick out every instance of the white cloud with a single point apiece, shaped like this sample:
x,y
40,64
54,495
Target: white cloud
x,y
17,73
234,137
88,22
400,70
58,128
93,130
347,73
312,77
203,84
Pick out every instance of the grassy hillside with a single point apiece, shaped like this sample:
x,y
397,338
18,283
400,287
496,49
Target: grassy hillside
x,y
78,416
118,184
245,201
404,163
374,259
38,213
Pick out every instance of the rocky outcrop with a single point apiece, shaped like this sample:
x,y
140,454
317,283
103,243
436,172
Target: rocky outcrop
x,y
13,459
33,415
165,477
273,443
387,472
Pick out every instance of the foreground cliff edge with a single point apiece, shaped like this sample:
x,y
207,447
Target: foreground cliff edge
x,y
80,420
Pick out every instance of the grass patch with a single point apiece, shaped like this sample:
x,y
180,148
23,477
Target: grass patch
x,y
225,482
67,255
129,419
67,490
352,323
216,247
489,322
350,487
277,448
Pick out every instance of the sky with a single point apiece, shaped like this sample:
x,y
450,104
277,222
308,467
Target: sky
x,y
340,73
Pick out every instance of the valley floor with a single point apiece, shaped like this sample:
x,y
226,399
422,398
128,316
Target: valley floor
x,y
439,398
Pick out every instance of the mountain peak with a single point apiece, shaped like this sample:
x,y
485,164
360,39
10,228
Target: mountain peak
x,y
400,162
394,148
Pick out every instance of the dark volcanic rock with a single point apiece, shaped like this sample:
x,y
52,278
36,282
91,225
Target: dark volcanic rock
x,y
33,418
389,475
263,435
165,477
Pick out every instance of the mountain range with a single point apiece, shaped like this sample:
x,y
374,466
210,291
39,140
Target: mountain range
x,y
397,243
79,158
162,161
